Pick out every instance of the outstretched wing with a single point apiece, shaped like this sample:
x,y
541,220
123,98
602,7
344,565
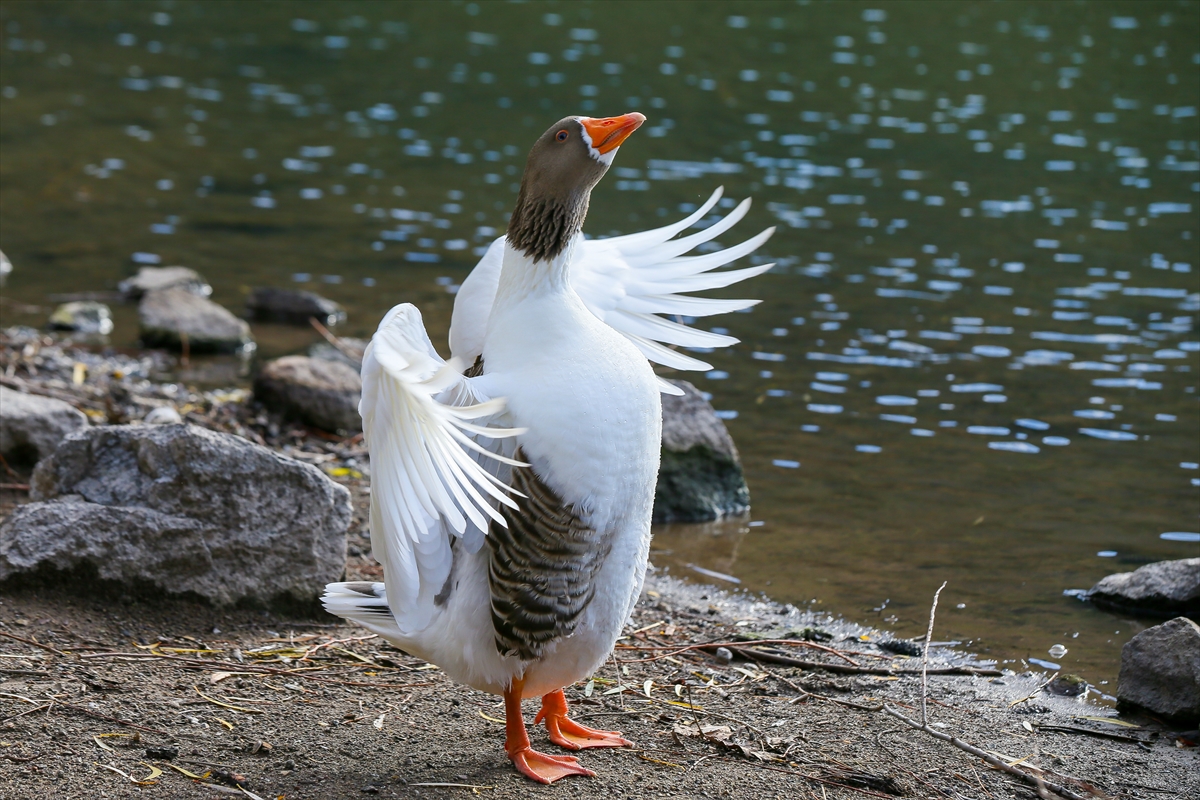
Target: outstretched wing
x,y
629,282
632,283
423,422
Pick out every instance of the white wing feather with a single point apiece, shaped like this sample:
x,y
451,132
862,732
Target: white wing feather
x,y
428,476
627,281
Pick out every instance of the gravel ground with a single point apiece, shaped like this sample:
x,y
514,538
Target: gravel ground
x,y
112,695
136,697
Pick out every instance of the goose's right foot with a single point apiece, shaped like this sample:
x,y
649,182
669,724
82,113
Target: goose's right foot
x,y
529,762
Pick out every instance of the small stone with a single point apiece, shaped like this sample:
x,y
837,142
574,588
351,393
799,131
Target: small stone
x,y
163,753
321,393
169,316
1068,686
1160,671
700,475
162,415
32,426
153,279
900,646
6,267
83,316
1162,589
293,306
723,654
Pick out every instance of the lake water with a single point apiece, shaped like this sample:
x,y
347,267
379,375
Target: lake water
x,y
976,359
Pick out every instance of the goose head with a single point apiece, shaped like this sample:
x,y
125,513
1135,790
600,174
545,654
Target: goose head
x,y
564,165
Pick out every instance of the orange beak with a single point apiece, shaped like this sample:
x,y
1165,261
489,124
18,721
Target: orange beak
x,y
607,134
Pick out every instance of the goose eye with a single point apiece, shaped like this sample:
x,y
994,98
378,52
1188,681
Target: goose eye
x,y
561,136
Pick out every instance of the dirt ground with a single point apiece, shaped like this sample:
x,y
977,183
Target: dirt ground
x,y
115,695
128,697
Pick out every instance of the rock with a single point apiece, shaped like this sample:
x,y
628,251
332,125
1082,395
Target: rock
x,y
321,393
32,426
5,267
353,358
84,316
169,315
700,477
1162,589
154,279
293,306
162,415
181,509
1160,671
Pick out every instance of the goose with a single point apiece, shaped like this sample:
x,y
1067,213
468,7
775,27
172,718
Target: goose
x,y
512,484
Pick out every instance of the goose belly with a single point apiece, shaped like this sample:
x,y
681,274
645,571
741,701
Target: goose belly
x,y
590,404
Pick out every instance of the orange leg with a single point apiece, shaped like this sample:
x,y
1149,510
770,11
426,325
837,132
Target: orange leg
x,y
565,732
529,762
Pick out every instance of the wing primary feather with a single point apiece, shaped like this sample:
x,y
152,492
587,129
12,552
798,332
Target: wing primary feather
x,y
662,330
692,265
633,240
677,247
707,280
665,355
682,304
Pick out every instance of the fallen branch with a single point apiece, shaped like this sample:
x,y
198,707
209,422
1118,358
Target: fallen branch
x,y
342,347
732,645
114,720
23,713
925,654
33,643
1032,780
848,670
1120,737
188,663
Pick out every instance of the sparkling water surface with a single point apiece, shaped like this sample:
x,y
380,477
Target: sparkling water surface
x,y
976,357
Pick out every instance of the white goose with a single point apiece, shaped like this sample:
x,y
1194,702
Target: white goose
x,y
510,504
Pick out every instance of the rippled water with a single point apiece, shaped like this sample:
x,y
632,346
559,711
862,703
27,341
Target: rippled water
x,y
976,358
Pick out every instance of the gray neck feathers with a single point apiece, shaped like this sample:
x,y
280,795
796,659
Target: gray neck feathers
x,y
542,226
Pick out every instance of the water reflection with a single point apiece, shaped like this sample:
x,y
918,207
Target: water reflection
x,y
976,358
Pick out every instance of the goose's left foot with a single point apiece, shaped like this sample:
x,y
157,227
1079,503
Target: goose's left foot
x,y
566,732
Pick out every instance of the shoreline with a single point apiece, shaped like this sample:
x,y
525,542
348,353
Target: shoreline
x,y
701,716
290,707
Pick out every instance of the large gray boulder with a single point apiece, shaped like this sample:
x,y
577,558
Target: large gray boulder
x,y
169,317
1160,671
293,306
181,509
31,426
156,279
316,391
1161,589
700,477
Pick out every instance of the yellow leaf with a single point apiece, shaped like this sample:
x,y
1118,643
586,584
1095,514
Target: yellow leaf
x,y
226,705
154,771
1111,721
228,725
187,774
682,704
491,719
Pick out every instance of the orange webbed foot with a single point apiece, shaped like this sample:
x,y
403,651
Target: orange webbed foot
x,y
544,768
567,733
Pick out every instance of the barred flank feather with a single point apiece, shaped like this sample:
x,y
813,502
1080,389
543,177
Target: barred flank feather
x,y
541,570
